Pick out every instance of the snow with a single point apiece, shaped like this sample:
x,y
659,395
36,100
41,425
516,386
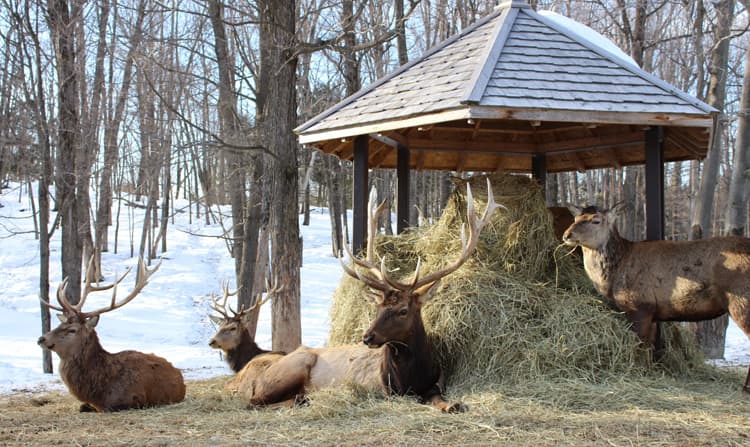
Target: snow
x,y
170,315
587,34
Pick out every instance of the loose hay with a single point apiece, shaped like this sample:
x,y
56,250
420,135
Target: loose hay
x,y
521,310
526,343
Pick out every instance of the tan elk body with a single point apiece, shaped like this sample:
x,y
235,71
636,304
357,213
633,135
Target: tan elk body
x,y
653,281
101,380
395,357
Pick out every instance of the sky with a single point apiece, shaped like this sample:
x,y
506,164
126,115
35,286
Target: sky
x,y
170,316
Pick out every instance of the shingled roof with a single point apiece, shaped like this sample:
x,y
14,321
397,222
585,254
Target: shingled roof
x,y
515,83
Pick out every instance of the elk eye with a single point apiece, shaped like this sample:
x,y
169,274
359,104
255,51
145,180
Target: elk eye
x,y
72,330
403,312
596,221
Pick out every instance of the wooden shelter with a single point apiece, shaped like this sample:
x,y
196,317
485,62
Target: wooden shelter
x,y
517,91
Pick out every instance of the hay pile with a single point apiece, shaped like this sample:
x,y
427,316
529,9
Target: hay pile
x,y
520,310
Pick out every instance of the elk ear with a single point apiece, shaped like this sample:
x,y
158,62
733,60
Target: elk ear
x,y
616,211
92,322
575,209
62,318
424,293
216,320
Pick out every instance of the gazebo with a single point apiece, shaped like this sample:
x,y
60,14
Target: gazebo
x,y
517,91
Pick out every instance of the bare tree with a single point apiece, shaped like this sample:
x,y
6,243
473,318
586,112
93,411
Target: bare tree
x,y
278,119
62,18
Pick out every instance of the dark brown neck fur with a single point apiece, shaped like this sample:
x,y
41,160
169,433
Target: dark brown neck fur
x,y
245,351
409,368
86,382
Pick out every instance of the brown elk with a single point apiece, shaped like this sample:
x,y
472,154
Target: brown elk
x,y
103,381
233,336
395,357
652,281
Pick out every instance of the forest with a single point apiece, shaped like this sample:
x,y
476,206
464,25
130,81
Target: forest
x,y
199,101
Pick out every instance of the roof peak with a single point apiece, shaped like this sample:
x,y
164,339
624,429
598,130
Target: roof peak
x,y
512,4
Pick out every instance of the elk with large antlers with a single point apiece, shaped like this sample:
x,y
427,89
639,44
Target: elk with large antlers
x,y
395,357
233,336
101,380
652,281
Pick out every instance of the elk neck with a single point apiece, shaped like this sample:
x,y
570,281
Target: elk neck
x,y
601,263
82,372
408,368
245,351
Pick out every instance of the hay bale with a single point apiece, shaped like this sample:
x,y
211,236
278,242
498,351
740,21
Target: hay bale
x,y
518,309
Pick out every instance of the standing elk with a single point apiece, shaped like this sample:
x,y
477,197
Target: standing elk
x,y
395,357
233,336
103,381
652,281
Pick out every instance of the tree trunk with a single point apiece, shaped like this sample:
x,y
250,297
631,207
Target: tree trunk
x,y
740,177
711,333
62,28
111,137
278,119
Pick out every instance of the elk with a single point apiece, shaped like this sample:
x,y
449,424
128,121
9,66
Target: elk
x,y
103,381
652,281
395,356
233,336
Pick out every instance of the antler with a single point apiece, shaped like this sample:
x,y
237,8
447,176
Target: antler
x,y
258,302
379,279
143,275
475,227
377,276
222,308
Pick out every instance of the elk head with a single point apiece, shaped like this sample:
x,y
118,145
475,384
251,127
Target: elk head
x,y
592,227
399,303
231,323
77,326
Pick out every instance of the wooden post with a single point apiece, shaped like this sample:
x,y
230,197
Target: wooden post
x,y
539,170
654,184
402,175
359,206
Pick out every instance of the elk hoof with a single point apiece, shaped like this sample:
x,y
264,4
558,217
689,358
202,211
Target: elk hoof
x,y
86,408
456,407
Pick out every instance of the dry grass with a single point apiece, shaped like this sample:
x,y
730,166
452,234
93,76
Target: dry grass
x,y
525,342
660,411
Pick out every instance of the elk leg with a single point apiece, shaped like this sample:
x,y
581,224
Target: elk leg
x,y
643,325
86,408
434,397
437,401
283,381
739,310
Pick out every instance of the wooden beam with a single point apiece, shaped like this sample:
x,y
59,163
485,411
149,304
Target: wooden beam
x,y
359,207
654,184
378,155
539,170
579,164
420,160
611,155
402,193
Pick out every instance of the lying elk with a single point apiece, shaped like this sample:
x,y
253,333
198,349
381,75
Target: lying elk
x,y
396,357
104,381
654,281
233,336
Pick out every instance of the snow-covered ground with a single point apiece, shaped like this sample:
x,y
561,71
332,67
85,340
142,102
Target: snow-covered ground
x,y
170,316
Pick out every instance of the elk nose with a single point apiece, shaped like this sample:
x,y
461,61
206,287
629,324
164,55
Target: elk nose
x,y
368,339
212,343
40,341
